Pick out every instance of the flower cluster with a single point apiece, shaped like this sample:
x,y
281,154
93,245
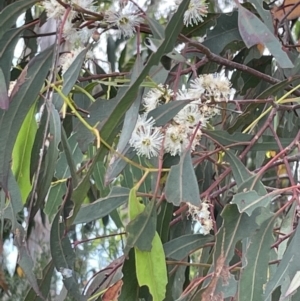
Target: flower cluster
x,y
197,9
202,217
184,129
75,28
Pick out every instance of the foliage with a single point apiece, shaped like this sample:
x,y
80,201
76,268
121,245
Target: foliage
x,y
169,171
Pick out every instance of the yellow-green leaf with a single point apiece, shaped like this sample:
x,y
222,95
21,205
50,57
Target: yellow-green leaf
x,y
22,153
135,207
151,269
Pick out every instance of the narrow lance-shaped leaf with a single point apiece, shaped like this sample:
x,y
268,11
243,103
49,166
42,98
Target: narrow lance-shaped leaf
x,y
64,257
182,246
254,31
22,100
236,226
150,265
256,260
11,13
22,153
182,184
287,268
4,100
251,192
102,207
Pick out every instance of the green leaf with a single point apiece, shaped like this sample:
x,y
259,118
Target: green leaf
x,y
130,286
164,218
142,226
151,269
22,153
51,155
8,43
25,260
251,192
236,226
10,14
98,174
63,257
102,279
14,205
43,283
164,113
266,144
181,185
182,246
62,167
287,268
69,156
225,32
264,14
23,97
4,100
254,31
117,164
256,257
102,207
54,199
248,201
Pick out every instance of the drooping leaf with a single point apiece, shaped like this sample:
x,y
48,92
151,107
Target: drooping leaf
x,y
54,199
181,185
182,246
164,113
266,144
14,205
254,31
251,192
264,14
11,120
256,260
287,268
22,153
63,168
129,123
151,269
43,283
8,43
51,154
225,32
142,226
105,278
236,226
98,175
4,100
25,260
63,257
248,201
102,207
10,14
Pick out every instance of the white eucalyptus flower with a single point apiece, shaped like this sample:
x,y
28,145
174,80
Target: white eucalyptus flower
x,y
176,139
190,116
156,95
124,21
146,139
197,9
54,9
